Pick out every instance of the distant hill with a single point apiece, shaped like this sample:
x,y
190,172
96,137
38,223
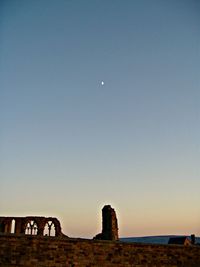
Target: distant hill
x,y
152,239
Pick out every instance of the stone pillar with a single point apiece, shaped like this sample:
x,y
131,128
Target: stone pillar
x,y
41,225
2,226
109,224
18,225
8,224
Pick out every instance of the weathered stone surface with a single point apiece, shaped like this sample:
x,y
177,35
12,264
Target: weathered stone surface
x,y
33,225
42,251
109,225
24,245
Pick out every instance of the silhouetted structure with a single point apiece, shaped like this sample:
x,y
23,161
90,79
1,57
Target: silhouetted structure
x,y
193,239
182,240
109,224
23,242
31,225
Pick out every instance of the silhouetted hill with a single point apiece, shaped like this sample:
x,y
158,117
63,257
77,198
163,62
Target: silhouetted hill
x,y
152,239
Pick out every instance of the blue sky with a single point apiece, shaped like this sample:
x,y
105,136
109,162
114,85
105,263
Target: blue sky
x,y
69,145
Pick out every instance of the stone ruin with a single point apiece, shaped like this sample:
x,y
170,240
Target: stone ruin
x,y
109,225
49,226
30,225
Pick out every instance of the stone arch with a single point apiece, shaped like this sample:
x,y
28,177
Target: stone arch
x,y
49,228
12,230
31,227
57,227
52,227
7,225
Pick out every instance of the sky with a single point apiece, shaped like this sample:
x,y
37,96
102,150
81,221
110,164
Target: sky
x,y
69,145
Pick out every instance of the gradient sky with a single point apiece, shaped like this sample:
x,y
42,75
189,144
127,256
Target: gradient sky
x,y
69,145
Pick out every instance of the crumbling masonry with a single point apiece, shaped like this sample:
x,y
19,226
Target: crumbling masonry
x,y
38,242
48,226
109,225
31,225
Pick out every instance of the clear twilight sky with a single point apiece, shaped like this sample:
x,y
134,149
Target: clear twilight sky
x,y
69,145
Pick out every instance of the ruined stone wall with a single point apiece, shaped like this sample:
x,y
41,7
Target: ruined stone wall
x,y
34,225
43,251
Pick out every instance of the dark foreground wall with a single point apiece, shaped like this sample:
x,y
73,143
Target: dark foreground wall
x,y
35,251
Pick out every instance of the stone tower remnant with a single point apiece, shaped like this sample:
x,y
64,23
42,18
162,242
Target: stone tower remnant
x,y
109,225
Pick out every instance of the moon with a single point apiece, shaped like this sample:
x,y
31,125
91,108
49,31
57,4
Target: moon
x,y
102,83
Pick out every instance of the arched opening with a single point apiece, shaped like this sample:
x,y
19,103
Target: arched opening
x,y
13,226
31,228
7,226
49,229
